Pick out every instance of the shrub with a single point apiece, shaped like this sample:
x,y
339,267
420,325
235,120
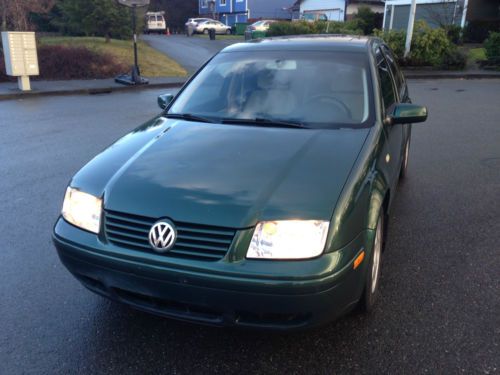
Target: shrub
x,y
454,59
492,46
368,20
429,46
454,33
318,27
64,62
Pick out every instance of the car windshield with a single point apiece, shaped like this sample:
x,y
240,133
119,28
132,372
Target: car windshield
x,y
313,88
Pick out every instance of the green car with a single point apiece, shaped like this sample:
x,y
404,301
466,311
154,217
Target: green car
x,y
259,197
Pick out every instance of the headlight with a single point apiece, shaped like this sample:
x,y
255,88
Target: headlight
x,y
293,239
82,209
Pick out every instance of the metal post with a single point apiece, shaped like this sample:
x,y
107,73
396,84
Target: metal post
x,y
136,73
409,31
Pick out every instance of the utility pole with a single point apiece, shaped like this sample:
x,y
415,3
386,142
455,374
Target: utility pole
x,y
409,31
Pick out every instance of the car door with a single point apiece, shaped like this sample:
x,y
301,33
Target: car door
x,y
393,133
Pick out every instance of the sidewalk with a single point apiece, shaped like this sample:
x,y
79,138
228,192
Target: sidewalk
x,y
9,90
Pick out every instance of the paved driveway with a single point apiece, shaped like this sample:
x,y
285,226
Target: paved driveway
x,y
190,52
440,286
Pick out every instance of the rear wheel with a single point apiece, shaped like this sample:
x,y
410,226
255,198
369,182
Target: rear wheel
x,y
370,292
205,31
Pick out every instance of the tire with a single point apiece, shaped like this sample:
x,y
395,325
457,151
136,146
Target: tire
x,y
404,164
205,31
228,32
372,282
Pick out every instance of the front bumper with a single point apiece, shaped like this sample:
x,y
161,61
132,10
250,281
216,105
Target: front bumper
x,y
217,293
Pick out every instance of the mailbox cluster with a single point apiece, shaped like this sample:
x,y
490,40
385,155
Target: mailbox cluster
x,y
21,58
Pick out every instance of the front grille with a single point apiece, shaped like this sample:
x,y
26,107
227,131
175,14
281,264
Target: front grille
x,y
193,241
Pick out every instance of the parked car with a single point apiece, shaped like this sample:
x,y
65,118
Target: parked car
x,y
155,23
259,197
219,27
192,22
262,25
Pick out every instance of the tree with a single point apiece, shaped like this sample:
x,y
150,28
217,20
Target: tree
x,y
16,13
94,18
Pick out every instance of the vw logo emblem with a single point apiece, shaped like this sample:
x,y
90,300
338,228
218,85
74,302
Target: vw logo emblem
x,y
162,236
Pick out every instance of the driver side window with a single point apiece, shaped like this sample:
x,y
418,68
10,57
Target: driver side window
x,y
386,85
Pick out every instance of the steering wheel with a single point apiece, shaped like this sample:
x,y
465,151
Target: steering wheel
x,y
336,102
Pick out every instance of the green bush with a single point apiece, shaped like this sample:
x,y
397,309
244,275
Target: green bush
x,y
492,46
318,27
454,59
429,47
368,20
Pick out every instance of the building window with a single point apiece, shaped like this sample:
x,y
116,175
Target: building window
x,y
204,3
222,2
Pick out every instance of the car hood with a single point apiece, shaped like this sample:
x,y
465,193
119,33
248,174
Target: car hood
x,y
224,175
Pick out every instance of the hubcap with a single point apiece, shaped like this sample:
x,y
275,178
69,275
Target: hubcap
x,y
377,251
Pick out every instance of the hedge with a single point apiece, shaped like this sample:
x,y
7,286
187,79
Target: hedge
x,y
429,47
65,62
319,27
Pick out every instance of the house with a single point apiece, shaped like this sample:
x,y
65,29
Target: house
x,y
377,6
232,11
435,12
442,12
335,10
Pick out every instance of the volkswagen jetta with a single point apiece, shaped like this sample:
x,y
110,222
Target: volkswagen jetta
x,y
259,197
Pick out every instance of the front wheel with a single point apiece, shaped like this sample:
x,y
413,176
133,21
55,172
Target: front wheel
x,y
370,292
228,32
205,31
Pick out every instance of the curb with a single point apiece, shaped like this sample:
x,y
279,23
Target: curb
x,y
89,91
412,75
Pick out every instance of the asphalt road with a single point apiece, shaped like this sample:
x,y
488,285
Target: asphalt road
x,y
440,287
190,52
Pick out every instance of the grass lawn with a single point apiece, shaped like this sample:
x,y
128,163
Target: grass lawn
x,y
476,54
151,62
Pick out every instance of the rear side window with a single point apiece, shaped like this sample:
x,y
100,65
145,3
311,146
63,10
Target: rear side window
x,y
386,85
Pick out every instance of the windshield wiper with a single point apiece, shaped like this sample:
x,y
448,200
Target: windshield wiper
x,y
263,122
188,117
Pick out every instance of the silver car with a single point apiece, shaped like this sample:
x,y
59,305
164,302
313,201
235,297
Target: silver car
x,y
219,27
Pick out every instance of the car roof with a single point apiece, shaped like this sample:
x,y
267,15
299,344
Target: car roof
x,y
353,43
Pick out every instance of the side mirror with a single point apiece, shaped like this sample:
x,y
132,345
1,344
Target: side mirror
x,y
164,100
405,113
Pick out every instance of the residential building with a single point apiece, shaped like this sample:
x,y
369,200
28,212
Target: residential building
x,y
232,11
435,12
333,9
377,6
439,12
